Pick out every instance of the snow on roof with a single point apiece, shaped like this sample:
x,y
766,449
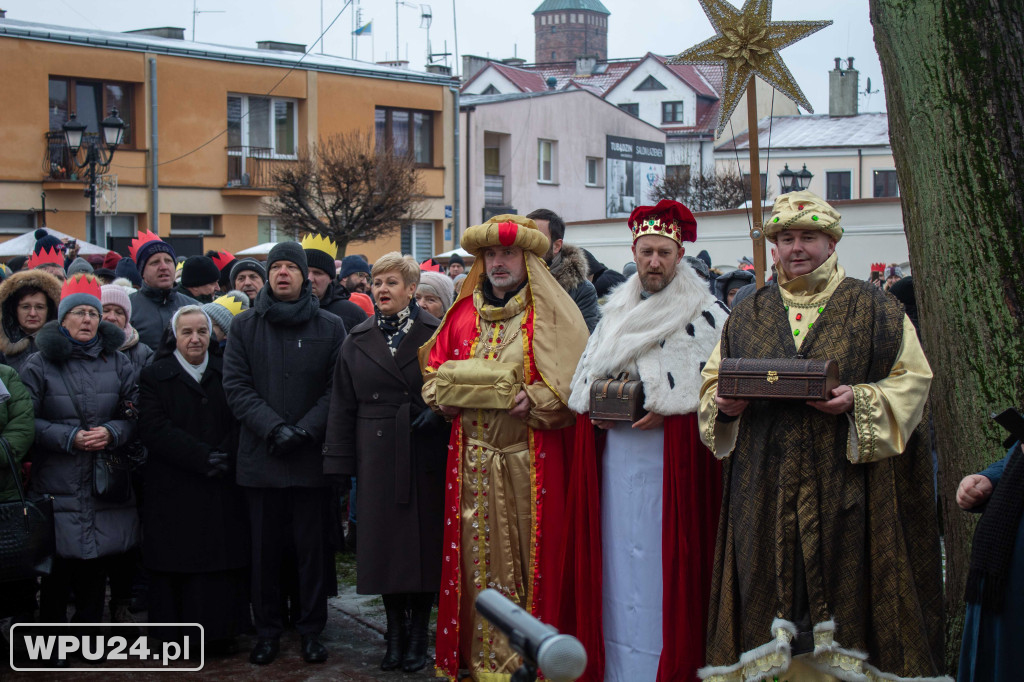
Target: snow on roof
x,y
818,130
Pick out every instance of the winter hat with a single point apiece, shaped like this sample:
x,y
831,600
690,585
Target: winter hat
x,y
439,285
198,271
80,265
46,256
46,241
82,289
111,259
893,271
350,265
803,211
248,264
699,266
145,246
115,294
320,253
105,272
290,251
17,263
5,272
706,257
732,280
457,282
456,258
224,308
629,269
224,260
126,268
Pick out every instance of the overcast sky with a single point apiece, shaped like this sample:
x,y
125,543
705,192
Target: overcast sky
x,y
485,27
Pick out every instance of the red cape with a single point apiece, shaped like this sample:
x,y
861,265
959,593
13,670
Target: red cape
x,y
692,499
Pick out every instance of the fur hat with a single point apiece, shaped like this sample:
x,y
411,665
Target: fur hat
x,y
224,308
803,211
439,285
506,230
320,253
289,251
668,219
198,271
82,289
350,265
248,264
80,265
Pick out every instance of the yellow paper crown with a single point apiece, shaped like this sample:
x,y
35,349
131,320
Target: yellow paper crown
x,y
316,242
231,303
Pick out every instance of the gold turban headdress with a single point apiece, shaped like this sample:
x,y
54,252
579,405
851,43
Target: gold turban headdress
x,y
803,211
505,230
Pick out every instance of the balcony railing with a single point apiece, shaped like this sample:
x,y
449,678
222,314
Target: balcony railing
x,y
57,159
250,167
494,190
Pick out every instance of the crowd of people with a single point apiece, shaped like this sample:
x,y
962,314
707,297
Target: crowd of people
x,y
690,534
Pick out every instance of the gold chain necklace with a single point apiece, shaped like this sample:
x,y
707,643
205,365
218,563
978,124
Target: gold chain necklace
x,y
493,348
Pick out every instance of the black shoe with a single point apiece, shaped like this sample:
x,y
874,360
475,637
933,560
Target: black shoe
x,y
416,655
397,635
312,650
265,651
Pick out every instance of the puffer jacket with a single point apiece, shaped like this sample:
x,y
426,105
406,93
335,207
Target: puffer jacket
x,y
140,354
17,428
336,301
152,310
100,377
15,344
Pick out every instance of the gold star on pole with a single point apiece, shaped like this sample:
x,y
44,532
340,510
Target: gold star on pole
x,y
748,43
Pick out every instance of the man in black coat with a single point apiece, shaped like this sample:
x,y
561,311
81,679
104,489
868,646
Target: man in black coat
x,y
333,297
156,302
277,376
568,265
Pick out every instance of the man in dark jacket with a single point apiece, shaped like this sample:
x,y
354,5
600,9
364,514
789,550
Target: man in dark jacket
x,y
333,297
156,302
199,278
248,276
604,280
568,265
277,377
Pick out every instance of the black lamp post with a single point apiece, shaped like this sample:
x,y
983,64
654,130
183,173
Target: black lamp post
x,y
790,181
98,153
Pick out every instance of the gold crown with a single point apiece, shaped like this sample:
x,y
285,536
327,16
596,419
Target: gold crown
x,y
231,303
316,242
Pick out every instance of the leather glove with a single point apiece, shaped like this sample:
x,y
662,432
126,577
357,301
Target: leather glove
x,y
286,438
219,463
425,420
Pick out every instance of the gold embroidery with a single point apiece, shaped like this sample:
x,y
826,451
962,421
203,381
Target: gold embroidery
x,y
866,434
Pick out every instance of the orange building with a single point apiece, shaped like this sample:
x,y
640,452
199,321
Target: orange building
x,y
206,126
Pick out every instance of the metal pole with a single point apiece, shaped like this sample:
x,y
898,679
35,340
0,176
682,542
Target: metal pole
x,y
154,148
456,214
396,29
93,232
756,232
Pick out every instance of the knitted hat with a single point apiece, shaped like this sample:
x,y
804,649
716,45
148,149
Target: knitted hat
x,y
320,253
126,268
803,211
350,265
224,308
439,285
17,263
668,219
147,245
5,272
456,258
115,294
732,280
290,251
46,241
699,266
198,271
506,230
79,290
248,264
80,265
111,259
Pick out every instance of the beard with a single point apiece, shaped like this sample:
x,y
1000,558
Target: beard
x,y
503,279
653,282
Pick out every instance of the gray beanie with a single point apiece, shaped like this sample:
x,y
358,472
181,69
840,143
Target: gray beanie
x,y
220,312
80,266
290,251
248,264
439,285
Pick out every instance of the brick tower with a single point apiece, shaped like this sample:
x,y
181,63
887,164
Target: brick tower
x,y
567,29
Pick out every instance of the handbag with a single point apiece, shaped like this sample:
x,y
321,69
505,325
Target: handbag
x,y
478,383
777,378
111,469
27,540
618,399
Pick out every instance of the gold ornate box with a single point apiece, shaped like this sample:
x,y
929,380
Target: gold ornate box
x,y
478,383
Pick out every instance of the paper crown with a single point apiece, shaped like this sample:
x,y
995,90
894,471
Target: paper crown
x,y
878,267
179,266
222,259
81,284
430,265
49,256
229,302
668,219
137,243
316,242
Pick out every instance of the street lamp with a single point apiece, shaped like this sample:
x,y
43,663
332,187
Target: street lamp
x,y
793,181
98,153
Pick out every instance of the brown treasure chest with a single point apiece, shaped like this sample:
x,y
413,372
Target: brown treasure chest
x,y
618,399
777,378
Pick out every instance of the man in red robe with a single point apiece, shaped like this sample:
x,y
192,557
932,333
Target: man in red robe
x,y
644,497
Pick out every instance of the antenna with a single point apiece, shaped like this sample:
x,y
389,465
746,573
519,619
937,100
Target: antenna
x,y
196,11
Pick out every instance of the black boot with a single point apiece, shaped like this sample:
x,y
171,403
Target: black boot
x,y
416,656
398,631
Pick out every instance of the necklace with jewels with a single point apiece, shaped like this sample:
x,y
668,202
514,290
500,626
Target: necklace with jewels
x,y
800,316
499,343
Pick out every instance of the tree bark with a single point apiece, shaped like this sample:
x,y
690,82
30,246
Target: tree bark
x,y
954,84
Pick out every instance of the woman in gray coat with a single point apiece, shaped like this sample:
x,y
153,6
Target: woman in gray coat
x,y
380,430
79,352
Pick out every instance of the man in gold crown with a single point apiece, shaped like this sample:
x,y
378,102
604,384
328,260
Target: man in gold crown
x,y
499,366
320,254
827,559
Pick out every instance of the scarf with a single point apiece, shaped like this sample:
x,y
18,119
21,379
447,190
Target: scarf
x,y
395,327
287,313
84,344
494,299
992,550
194,371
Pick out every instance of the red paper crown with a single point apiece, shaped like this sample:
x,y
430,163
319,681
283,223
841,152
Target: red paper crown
x,y
223,259
668,219
878,267
46,256
136,244
81,284
430,265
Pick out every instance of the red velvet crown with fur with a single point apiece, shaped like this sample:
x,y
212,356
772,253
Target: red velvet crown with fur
x,y
81,284
50,256
223,259
668,219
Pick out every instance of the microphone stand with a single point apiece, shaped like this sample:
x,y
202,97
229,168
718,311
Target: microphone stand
x,y
526,673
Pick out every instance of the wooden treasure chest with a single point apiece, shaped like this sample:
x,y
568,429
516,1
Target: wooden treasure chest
x,y
777,378
618,399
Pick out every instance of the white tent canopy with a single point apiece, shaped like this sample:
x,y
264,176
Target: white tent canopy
x,y
460,251
258,250
23,244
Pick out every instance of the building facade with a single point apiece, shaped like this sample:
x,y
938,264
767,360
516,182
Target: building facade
x,y
567,29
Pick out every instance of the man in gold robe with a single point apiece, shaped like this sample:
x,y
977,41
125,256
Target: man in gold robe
x,y
827,559
505,490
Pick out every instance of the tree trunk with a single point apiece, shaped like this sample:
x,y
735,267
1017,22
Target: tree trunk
x,y
954,85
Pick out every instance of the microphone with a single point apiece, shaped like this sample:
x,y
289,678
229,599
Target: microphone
x,y
562,658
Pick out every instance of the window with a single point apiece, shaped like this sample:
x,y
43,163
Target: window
x,y
837,185
268,123
406,132
886,184
682,173
764,185
269,230
671,112
118,226
418,240
17,223
631,108
191,224
491,90
545,161
650,83
91,101
593,171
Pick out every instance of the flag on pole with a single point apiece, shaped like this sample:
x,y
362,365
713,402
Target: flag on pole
x,y
364,30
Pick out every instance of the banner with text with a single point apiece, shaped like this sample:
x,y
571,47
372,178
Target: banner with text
x,y
632,169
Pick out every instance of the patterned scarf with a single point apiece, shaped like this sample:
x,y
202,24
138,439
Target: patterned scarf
x,y
395,327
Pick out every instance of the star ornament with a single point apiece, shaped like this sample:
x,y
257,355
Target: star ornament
x,y
747,42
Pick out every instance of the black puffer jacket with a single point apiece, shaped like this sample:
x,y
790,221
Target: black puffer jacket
x,y
152,310
100,377
570,271
336,301
604,279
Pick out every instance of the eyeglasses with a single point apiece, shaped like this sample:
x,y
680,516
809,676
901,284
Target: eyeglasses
x,y
82,314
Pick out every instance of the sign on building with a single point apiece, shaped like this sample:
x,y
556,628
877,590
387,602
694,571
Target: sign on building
x,y
632,169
